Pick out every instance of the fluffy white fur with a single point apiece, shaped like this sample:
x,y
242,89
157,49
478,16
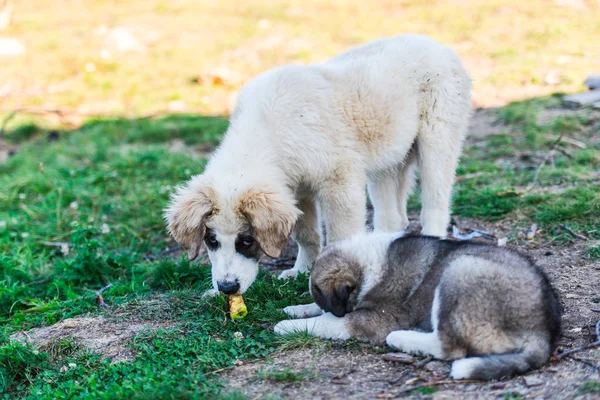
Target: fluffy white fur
x,y
318,134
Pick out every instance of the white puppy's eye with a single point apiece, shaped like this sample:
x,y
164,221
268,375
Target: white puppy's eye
x,y
247,241
211,240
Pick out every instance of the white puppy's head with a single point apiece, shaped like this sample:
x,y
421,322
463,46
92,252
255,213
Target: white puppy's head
x,y
237,227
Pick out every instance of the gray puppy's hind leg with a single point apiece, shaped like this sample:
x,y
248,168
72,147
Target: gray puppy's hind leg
x,y
415,342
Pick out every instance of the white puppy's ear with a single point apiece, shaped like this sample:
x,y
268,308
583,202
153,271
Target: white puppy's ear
x,y
187,212
272,216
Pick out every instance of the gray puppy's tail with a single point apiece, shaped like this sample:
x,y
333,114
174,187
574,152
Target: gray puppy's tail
x,y
534,355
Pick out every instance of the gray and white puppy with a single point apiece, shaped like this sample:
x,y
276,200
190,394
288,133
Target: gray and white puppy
x,y
489,308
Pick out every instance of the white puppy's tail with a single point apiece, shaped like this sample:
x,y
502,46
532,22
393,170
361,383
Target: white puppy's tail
x,y
534,355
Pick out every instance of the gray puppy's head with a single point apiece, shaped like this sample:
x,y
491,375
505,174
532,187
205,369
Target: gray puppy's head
x,y
335,281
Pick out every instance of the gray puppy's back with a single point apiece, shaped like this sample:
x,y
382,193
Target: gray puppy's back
x,y
494,304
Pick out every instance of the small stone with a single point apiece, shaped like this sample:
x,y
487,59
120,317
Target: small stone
x,y
438,368
572,296
533,381
498,385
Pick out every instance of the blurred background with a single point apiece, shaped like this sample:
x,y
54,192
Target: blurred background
x,y
136,57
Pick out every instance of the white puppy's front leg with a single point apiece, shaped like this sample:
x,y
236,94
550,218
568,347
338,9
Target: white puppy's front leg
x,y
304,260
326,326
307,236
303,311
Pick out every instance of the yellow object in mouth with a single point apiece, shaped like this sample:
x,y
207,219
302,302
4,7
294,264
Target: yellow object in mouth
x,y
237,308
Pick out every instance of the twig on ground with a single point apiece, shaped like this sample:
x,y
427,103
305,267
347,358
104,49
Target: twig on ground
x,y
595,367
549,155
419,364
216,371
572,232
99,298
564,151
468,236
108,286
581,348
571,141
436,383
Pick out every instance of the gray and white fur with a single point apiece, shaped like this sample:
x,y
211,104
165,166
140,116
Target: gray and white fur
x,y
488,308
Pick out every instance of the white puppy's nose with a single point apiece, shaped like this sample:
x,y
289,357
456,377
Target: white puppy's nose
x,y
228,287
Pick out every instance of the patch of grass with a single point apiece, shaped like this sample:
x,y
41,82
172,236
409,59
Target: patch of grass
x,y
499,172
593,253
19,366
300,340
591,386
285,375
425,390
512,396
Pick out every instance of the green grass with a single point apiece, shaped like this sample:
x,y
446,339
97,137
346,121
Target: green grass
x,y
500,170
591,386
594,253
101,188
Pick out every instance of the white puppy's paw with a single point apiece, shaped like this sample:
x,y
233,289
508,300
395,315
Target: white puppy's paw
x,y
291,273
303,311
290,326
210,293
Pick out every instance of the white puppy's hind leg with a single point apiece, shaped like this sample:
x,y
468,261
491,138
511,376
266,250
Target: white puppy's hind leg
x,y
383,192
303,311
416,342
446,110
406,184
326,326
308,239
439,150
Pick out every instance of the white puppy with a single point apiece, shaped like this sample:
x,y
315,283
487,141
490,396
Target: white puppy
x,y
302,135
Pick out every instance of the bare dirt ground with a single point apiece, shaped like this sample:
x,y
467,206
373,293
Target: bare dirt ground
x,y
96,334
